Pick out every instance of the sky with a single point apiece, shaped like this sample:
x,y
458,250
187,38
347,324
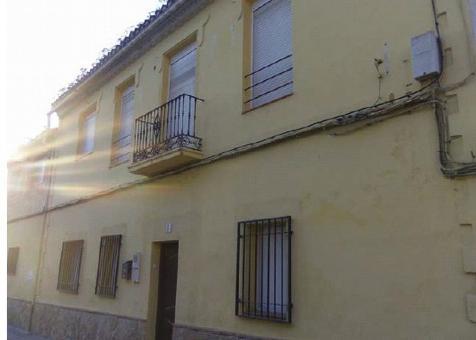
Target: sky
x,y
47,43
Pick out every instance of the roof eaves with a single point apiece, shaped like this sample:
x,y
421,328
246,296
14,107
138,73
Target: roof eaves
x,y
156,20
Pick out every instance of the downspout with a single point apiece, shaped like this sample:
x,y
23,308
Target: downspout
x,y
449,167
51,156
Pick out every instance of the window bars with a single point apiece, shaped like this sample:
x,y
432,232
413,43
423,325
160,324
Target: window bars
x,y
168,127
12,260
263,269
69,268
108,266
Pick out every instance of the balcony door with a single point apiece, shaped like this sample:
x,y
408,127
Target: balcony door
x,y
182,81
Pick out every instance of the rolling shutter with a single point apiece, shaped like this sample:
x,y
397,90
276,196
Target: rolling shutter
x,y
127,115
272,50
182,72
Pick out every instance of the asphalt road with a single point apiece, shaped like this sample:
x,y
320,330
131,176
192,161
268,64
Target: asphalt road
x,y
18,334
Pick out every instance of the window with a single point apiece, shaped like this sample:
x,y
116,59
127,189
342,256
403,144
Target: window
x,y
88,127
271,74
182,72
12,260
473,16
40,172
125,120
181,109
70,263
263,281
108,265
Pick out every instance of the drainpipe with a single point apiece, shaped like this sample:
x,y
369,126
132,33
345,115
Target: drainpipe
x,y
51,156
449,167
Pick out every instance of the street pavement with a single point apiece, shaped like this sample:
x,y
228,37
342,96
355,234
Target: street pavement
x,y
19,334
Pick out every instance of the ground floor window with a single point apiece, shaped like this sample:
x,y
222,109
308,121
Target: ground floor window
x,y
263,281
108,266
70,263
12,260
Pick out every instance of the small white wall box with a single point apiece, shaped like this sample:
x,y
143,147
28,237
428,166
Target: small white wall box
x,y
136,267
426,59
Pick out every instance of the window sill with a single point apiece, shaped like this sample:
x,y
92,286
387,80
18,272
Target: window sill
x,y
116,164
273,318
268,103
83,155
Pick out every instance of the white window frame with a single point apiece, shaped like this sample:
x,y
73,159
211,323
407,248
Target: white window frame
x,y
41,166
88,133
126,119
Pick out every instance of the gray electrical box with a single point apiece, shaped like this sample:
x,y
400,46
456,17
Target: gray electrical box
x,y
426,60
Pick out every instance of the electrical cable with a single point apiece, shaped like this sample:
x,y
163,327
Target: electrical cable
x,y
386,108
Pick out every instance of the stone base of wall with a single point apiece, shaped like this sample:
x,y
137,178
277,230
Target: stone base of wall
x,y
184,332
63,323
18,313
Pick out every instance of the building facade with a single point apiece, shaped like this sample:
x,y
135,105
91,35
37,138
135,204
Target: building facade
x,y
261,169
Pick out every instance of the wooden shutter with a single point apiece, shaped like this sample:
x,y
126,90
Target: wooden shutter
x,y
106,280
12,260
70,263
272,50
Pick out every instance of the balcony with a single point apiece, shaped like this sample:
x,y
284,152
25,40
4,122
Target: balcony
x,y
165,137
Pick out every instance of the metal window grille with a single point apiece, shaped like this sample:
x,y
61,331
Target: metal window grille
x,y
12,260
263,266
106,279
70,263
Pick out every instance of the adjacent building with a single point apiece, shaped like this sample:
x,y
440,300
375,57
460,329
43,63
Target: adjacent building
x,y
258,169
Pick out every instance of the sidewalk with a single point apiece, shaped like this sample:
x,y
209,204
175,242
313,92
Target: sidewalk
x,y
19,334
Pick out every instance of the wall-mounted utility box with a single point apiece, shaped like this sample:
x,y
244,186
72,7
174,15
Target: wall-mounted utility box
x,y
426,61
136,268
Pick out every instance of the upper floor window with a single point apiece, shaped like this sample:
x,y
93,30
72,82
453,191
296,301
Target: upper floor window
x,y
87,131
124,121
40,171
271,75
473,16
182,72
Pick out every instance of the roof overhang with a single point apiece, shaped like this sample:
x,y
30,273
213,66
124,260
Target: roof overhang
x,y
179,12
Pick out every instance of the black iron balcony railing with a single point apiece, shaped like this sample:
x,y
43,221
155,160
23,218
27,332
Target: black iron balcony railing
x,y
168,127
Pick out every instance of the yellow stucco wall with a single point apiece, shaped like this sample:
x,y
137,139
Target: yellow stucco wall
x,y
26,235
333,73
377,248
